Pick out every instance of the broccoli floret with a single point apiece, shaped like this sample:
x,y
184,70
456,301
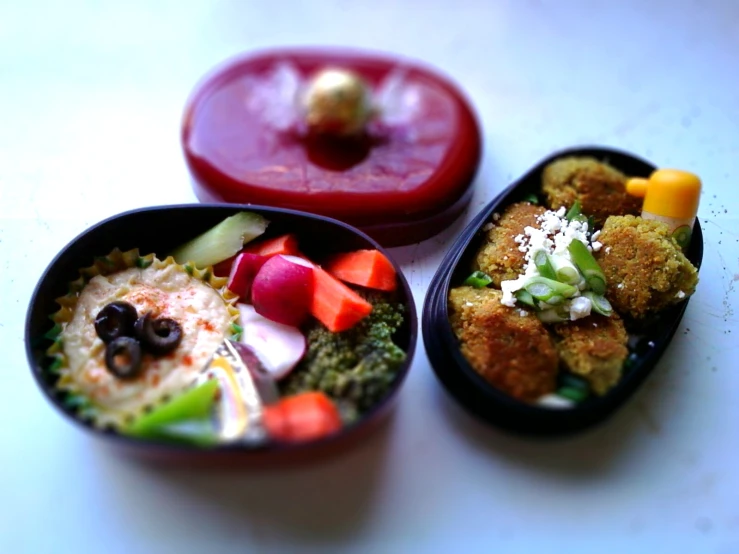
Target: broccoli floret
x,y
354,367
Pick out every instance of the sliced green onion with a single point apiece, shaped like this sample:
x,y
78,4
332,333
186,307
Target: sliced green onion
x,y
600,303
576,395
571,380
587,265
544,265
478,279
524,297
574,211
555,300
532,198
553,315
565,270
547,290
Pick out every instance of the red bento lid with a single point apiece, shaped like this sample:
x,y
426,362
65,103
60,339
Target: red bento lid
x,y
403,181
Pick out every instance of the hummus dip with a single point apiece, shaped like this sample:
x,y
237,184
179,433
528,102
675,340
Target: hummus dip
x,y
167,291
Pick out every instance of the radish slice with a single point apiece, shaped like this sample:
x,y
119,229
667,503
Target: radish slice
x,y
282,290
279,347
245,267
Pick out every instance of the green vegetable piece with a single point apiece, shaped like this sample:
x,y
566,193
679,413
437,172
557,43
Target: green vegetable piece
x,y
557,314
600,303
573,381
532,198
544,265
222,241
587,265
478,279
574,211
186,417
565,270
524,297
549,290
576,395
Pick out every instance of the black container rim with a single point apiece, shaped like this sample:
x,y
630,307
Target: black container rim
x,y
32,350
471,390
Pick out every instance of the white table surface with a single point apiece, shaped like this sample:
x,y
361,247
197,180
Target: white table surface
x,y
90,102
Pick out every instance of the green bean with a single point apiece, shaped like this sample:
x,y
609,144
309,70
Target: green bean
x,y
544,265
600,303
587,265
546,290
478,279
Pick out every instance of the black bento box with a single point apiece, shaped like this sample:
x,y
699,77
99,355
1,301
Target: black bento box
x,y
648,339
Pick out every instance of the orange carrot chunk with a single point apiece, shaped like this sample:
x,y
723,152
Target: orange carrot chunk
x,y
284,244
366,268
302,417
334,304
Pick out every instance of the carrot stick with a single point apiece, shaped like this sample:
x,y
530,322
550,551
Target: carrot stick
x,y
284,244
367,268
334,304
302,417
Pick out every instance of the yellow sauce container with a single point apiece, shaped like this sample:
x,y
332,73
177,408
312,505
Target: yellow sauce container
x,y
670,196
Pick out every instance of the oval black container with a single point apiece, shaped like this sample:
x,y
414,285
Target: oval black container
x,y
648,340
151,230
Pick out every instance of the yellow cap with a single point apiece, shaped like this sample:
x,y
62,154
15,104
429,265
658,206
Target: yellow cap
x,y
668,192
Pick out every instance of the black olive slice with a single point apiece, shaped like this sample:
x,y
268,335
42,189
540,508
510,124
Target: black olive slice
x,y
158,336
115,320
123,357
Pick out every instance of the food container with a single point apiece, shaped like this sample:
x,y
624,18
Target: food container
x,y
648,339
151,230
403,181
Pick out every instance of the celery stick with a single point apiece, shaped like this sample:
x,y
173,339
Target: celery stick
x,y
189,411
222,241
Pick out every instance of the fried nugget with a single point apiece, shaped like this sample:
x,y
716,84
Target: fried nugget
x,y
593,347
600,188
499,255
511,351
645,268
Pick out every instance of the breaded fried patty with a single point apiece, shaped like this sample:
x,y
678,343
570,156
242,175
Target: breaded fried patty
x,y
645,269
511,351
600,188
593,347
499,255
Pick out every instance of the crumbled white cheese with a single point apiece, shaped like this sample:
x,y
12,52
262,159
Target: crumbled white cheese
x,y
680,294
522,313
580,307
608,249
496,216
597,246
553,234
620,286
651,343
595,235
469,304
